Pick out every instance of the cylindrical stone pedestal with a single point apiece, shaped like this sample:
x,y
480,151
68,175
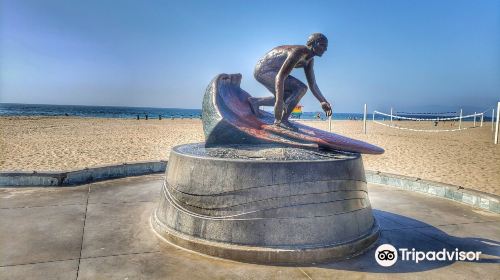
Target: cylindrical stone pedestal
x,y
266,204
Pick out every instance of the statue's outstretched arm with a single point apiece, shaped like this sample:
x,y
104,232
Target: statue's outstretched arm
x,y
311,80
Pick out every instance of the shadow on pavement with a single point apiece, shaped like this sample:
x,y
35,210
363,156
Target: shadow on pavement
x,y
405,232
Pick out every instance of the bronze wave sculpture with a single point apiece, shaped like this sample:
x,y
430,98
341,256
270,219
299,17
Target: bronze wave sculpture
x,y
228,118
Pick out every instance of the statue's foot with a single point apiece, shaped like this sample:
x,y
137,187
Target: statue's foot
x,y
254,106
286,125
290,125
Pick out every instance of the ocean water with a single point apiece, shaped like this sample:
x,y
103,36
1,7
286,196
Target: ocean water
x,y
14,109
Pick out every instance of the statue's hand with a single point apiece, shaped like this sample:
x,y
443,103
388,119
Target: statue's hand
x,y
327,108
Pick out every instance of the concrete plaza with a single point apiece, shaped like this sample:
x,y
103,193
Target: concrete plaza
x,y
102,231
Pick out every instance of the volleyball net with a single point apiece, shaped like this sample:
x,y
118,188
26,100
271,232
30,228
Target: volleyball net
x,y
429,122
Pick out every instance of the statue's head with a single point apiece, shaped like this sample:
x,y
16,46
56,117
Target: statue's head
x,y
318,43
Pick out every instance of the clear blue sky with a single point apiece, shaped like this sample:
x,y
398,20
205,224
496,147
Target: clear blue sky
x,y
413,55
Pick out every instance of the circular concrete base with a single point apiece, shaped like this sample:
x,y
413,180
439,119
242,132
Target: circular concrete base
x,y
266,204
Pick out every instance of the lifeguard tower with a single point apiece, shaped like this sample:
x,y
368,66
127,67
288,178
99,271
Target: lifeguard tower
x,y
297,112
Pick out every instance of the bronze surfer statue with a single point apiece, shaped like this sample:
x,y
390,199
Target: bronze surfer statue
x,y
273,71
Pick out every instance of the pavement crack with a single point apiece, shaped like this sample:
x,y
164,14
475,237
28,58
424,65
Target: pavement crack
x,y
83,232
39,206
124,254
120,202
41,262
303,272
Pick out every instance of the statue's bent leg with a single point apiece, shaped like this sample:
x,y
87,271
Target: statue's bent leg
x,y
294,91
268,80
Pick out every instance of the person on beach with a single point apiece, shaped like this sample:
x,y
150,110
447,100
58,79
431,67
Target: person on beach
x,y
273,71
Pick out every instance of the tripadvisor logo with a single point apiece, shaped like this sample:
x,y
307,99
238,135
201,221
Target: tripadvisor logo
x,y
387,255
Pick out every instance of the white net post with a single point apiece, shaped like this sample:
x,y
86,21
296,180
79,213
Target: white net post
x,y
474,119
330,123
498,117
391,116
492,119
460,120
482,117
364,119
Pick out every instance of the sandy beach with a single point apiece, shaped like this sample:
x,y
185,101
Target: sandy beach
x,y
466,158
